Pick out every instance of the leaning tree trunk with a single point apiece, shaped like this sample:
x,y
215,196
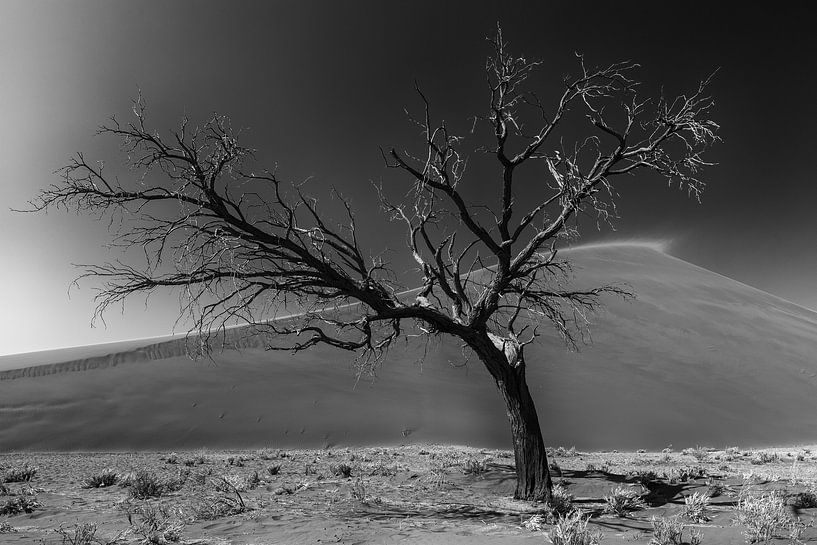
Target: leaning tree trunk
x,y
532,473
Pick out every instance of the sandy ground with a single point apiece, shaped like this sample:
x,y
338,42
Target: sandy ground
x,y
410,494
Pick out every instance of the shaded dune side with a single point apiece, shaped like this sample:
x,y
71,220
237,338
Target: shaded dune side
x,y
696,359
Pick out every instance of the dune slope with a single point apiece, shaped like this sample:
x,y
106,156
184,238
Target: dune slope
x,y
697,358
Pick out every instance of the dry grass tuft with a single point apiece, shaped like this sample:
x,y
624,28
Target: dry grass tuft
x,y
623,500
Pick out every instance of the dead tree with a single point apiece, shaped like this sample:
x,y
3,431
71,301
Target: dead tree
x,y
241,246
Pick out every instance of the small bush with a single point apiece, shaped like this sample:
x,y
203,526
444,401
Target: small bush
x,y
714,488
536,523
684,474
803,500
383,469
157,525
107,477
763,515
565,453
645,478
6,528
622,500
274,470
572,530
666,531
341,470
146,484
226,500
762,457
172,458
695,507
699,453
561,502
358,491
81,534
475,467
22,474
17,505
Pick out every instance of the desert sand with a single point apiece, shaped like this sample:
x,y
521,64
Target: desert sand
x,y
697,358
414,494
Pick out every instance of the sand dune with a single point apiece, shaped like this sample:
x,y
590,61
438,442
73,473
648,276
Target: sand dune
x,y
697,359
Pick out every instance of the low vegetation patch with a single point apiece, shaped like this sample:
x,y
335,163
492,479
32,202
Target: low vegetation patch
x,y
146,484
763,515
475,467
572,529
670,531
699,453
341,470
79,534
105,478
622,501
20,474
155,524
18,504
695,507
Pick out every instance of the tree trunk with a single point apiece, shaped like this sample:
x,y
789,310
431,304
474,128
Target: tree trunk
x,y
532,473
506,363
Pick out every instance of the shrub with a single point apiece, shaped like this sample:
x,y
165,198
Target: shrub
x,y
762,457
146,484
274,470
358,491
572,530
565,453
645,478
475,467
561,501
804,500
18,504
107,477
226,500
156,524
695,507
714,488
763,515
383,469
172,458
20,474
536,523
341,470
699,453
666,531
669,531
623,500
81,534
6,528
683,474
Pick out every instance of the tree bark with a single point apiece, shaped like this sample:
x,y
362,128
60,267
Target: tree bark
x,y
533,482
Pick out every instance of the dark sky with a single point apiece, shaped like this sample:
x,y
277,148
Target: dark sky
x,y
321,85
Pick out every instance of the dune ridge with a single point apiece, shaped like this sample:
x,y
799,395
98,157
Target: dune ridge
x,y
697,358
